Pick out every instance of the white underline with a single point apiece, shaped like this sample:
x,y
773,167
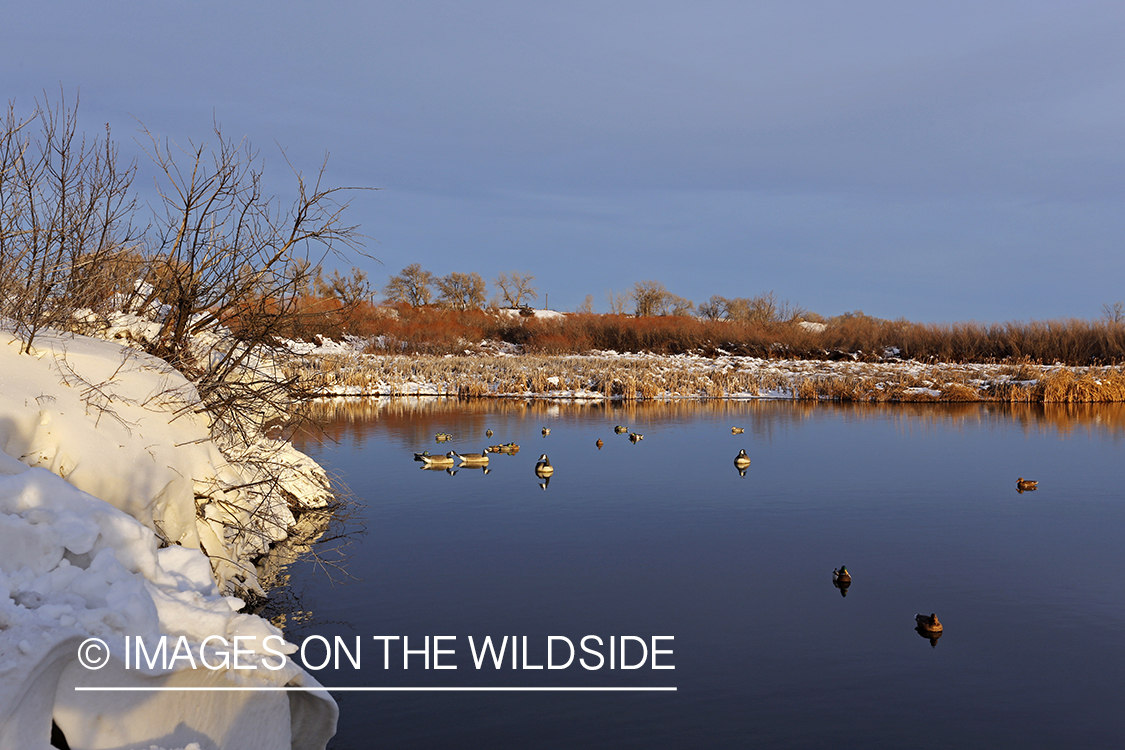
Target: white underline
x,y
289,688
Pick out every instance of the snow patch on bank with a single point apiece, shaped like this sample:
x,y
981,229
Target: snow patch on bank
x,y
111,489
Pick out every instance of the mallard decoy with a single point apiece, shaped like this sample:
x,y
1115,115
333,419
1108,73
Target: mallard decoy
x,y
636,437
928,623
509,448
841,576
543,466
437,459
599,443
441,437
546,431
1025,485
488,433
736,430
472,459
742,460
620,429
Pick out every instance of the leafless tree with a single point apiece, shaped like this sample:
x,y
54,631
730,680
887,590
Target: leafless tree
x,y
349,290
679,306
412,286
1114,313
64,219
715,308
462,291
587,307
515,288
223,252
618,302
650,298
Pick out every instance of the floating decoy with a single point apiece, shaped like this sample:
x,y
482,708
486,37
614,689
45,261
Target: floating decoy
x,y
472,459
742,460
599,443
737,430
421,456
441,437
620,429
546,431
635,437
437,459
543,466
488,433
1026,485
928,624
508,448
841,576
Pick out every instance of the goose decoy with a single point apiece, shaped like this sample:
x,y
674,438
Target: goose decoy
x,y
488,433
928,624
620,429
635,437
543,466
599,443
437,459
1026,485
742,460
421,456
546,431
841,576
736,430
472,459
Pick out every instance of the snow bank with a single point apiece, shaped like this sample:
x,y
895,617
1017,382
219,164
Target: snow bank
x,y
516,313
110,491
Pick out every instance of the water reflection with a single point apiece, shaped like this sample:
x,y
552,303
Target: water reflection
x,y
417,419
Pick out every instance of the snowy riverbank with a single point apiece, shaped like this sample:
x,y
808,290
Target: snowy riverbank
x,y
111,492
493,369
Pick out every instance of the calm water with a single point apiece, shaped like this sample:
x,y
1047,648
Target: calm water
x,y
665,538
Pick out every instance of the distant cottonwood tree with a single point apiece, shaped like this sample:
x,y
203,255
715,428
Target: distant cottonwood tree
x,y
462,291
618,302
650,298
515,287
350,290
411,286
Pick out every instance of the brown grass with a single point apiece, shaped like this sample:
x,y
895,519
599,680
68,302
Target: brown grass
x,y
432,330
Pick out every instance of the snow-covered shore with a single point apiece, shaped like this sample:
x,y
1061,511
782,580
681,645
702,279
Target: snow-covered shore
x,y
121,519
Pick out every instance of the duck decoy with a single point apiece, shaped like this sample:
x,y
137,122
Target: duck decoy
x,y
929,628
488,433
928,624
841,575
742,460
441,437
1026,485
472,459
509,448
736,430
599,443
437,459
543,466
636,437
546,431
620,429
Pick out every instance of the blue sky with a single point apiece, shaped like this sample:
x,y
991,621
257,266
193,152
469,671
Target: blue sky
x,y
940,162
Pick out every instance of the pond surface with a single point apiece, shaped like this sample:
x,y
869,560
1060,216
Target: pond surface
x,y
664,537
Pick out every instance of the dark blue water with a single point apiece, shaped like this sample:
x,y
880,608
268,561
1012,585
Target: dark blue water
x,y
665,538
